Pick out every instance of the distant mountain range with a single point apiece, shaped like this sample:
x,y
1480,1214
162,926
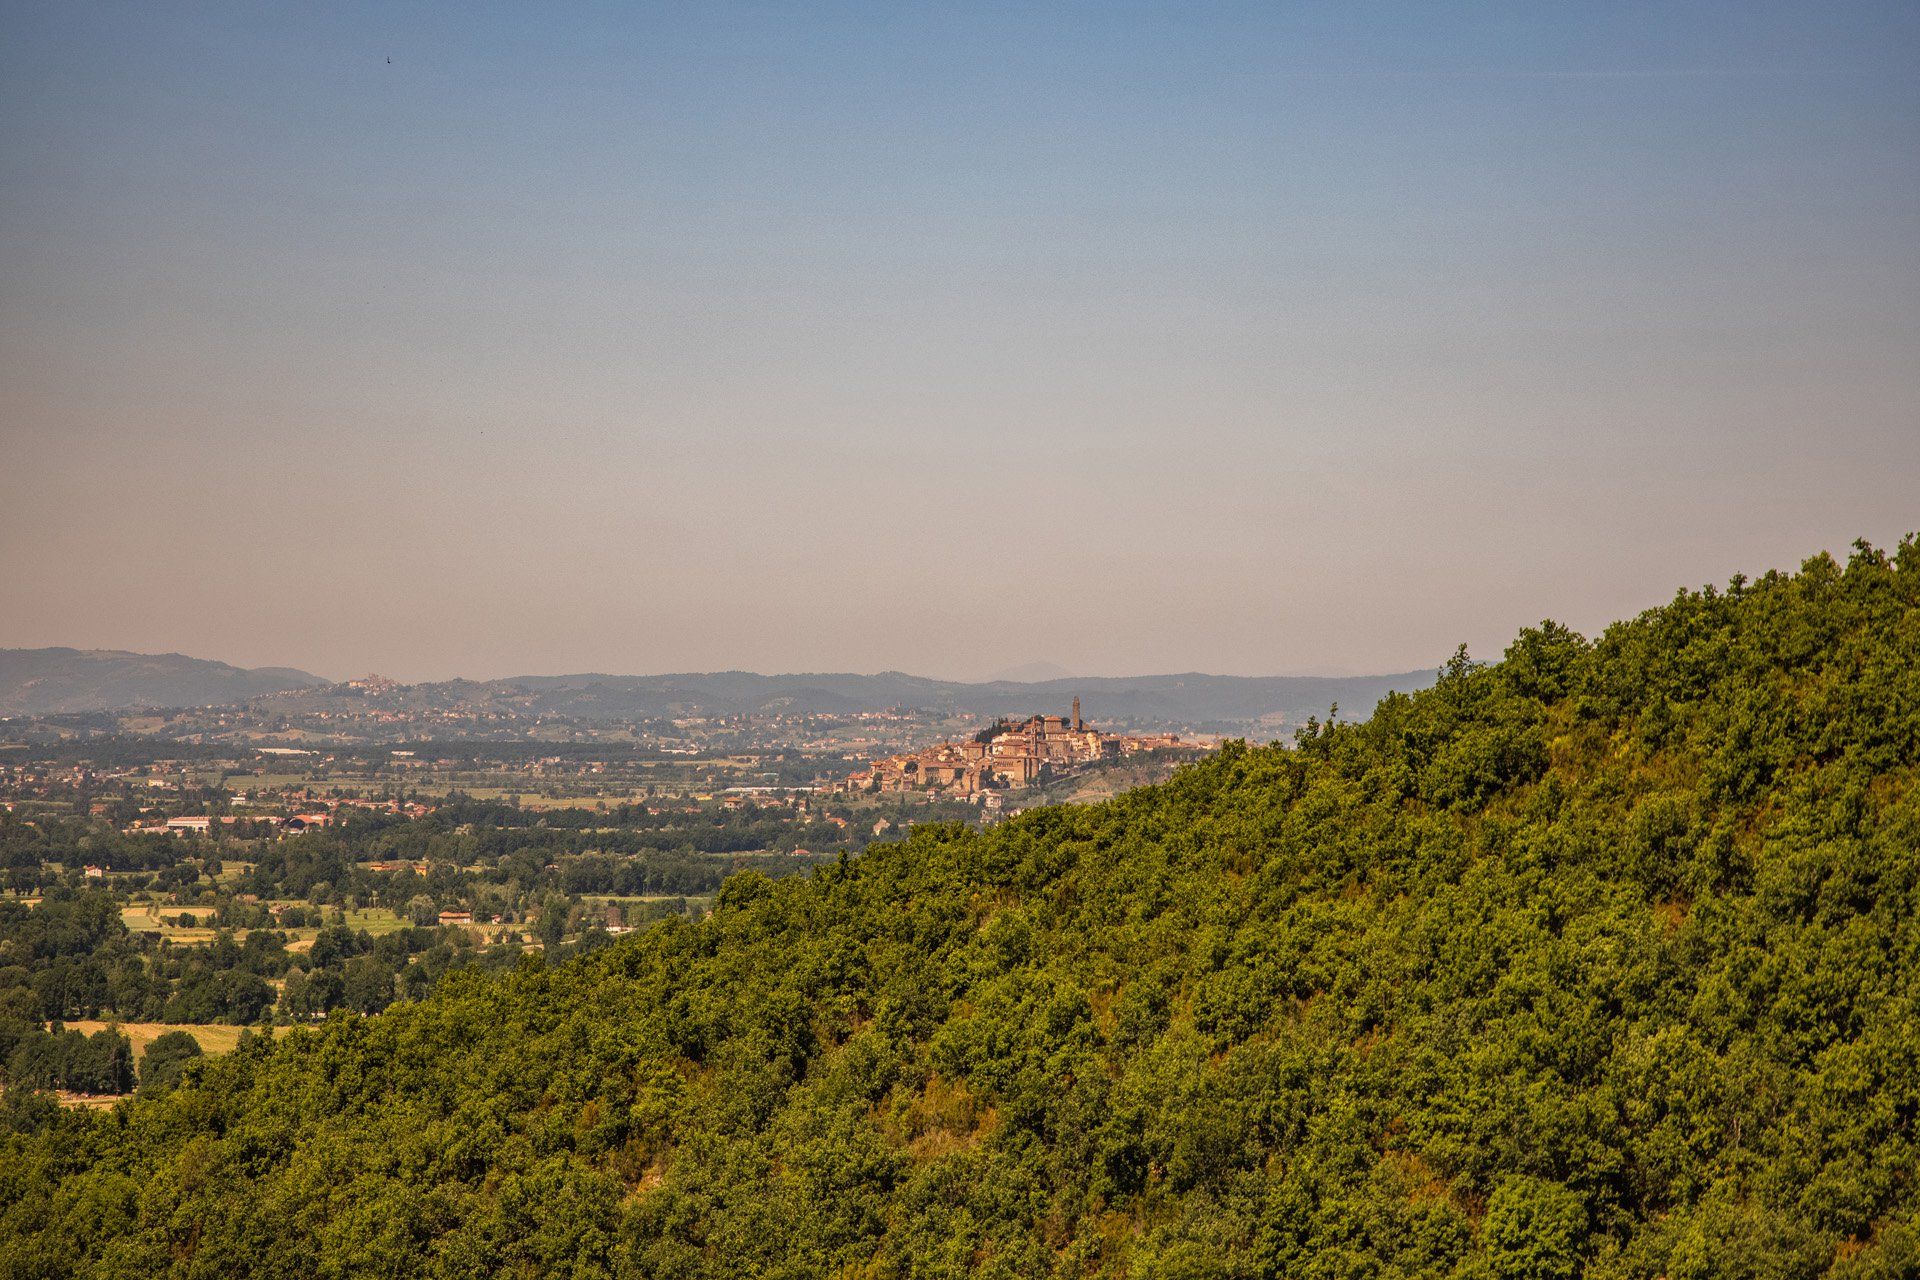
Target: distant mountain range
x,y
39,682
1031,673
1204,702
63,681
1189,698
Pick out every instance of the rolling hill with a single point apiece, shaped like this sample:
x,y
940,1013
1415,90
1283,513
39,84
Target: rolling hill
x,y
1227,702
69,681
37,682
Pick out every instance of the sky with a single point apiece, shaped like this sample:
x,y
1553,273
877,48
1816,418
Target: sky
x,y
481,340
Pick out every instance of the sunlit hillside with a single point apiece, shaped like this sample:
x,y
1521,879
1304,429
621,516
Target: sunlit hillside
x,y
1600,960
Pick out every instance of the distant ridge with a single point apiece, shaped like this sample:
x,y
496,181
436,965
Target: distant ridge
x,y
1032,672
1236,704
67,681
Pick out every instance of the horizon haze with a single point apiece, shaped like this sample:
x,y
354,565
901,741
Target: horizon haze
x,y
53,682
1038,673
447,341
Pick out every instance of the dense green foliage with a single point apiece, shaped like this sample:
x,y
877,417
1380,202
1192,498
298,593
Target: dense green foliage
x,y
166,1059
57,1058
481,854
1603,960
73,957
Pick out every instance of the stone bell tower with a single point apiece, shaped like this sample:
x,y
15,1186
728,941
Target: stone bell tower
x,y
1076,715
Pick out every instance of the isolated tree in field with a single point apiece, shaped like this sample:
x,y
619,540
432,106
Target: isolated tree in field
x,y
165,1059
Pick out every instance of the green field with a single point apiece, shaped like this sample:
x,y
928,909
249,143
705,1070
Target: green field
x,y
148,918
375,920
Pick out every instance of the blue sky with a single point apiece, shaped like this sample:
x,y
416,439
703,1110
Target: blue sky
x,y
1130,337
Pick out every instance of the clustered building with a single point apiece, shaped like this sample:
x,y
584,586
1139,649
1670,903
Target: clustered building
x,y
1010,754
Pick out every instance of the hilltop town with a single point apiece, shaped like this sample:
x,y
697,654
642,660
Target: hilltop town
x,y
1008,755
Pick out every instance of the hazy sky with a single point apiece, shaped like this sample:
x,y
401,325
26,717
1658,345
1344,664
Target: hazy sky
x,y
1259,339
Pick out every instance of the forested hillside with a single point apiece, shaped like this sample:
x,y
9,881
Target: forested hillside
x,y
1600,961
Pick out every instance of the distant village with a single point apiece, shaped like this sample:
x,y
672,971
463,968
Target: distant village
x,y
1010,754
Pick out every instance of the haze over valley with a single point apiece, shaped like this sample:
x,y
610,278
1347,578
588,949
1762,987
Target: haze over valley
x,y
64,682
969,642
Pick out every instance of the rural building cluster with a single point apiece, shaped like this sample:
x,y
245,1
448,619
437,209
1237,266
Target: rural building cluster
x,y
1008,755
